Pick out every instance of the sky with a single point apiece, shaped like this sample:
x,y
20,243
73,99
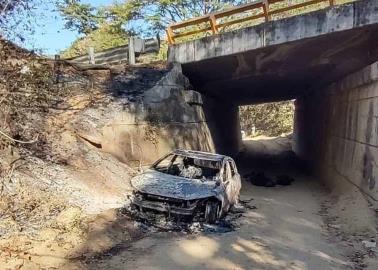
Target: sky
x,y
50,35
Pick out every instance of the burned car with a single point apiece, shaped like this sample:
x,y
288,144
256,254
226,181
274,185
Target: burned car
x,y
189,183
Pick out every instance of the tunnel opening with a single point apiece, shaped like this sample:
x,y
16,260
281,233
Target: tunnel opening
x,y
267,139
266,120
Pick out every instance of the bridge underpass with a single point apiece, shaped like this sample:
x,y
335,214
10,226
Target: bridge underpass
x,y
326,60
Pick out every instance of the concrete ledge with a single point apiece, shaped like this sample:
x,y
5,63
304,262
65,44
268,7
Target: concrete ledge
x,y
360,78
192,97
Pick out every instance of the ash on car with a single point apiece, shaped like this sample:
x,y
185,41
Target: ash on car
x,y
189,183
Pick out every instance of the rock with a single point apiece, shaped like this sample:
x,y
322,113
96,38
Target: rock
x,y
70,219
284,180
238,208
334,226
369,244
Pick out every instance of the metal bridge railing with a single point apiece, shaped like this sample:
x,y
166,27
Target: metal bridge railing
x,y
213,23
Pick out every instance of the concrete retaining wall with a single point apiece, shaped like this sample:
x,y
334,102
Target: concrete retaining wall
x,y
168,117
336,130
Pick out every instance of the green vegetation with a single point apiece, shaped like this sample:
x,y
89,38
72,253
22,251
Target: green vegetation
x,y
17,18
79,17
104,37
269,119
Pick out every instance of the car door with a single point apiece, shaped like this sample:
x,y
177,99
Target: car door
x,y
227,183
235,182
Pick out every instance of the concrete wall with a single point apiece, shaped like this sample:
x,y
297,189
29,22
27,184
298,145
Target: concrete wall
x,y
224,125
336,130
168,117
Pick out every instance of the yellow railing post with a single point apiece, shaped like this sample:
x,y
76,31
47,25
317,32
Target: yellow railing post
x,y
266,10
213,23
331,2
170,36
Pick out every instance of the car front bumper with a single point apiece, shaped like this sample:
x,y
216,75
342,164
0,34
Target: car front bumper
x,y
165,207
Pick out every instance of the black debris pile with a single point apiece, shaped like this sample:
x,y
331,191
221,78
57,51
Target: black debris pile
x,y
158,222
223,226
284,180
261,180
245,204
153,221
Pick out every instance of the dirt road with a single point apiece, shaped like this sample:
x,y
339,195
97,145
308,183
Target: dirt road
x,y
284,232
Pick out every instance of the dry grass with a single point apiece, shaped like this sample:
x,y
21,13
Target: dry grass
x,y
28,209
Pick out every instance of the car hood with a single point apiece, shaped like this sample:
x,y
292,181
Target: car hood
x,y
161,184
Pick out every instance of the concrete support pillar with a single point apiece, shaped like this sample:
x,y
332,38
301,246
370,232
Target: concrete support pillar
x,y
299,133
224,124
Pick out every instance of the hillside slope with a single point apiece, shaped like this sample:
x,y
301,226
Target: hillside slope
x,y
54,177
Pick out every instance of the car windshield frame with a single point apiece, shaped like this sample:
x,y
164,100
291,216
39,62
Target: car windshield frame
x,y
173,157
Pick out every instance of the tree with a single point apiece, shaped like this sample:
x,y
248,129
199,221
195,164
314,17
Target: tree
x,y
80,17
12,14
18,19
8,7
102,38
270,119
150,15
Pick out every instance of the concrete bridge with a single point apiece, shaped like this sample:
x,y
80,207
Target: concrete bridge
x,y
326,60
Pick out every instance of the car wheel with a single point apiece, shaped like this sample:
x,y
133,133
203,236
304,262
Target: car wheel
x,y
212,212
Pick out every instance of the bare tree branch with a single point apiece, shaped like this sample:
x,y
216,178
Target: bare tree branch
x,y
18,141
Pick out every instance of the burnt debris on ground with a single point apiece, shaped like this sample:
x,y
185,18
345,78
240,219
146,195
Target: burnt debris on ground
x,y
262,180
153,221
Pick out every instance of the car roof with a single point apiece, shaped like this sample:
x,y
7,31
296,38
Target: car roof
x,y
200,155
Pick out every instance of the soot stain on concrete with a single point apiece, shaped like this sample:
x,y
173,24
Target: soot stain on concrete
x,y
369,161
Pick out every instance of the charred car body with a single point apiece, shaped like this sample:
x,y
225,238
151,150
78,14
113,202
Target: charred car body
x,y
187,183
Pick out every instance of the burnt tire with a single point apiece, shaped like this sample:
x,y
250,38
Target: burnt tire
x,y
212,212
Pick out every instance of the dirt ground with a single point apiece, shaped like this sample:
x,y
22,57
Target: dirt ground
x,y
285,227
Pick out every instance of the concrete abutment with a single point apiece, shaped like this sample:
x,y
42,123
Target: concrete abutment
x,y
336,130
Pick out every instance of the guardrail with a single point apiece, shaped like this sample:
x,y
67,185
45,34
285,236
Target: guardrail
x,y
210,23
119,54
